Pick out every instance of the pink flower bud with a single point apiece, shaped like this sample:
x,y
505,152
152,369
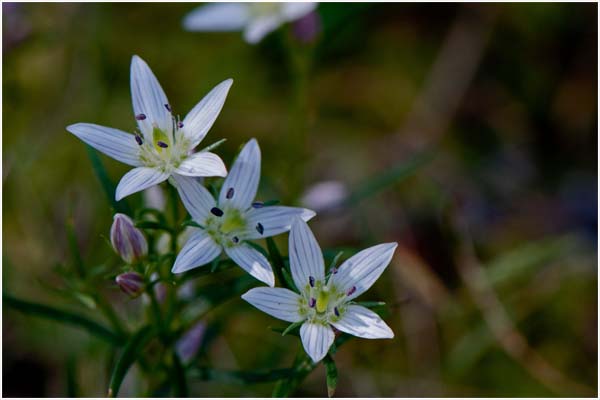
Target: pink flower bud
x,y
128,241
131,283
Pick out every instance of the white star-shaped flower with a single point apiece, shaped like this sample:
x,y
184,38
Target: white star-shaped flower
x,y
255,19
323,303
165,146
234,218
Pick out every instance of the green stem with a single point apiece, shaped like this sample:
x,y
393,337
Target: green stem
x,y
110,314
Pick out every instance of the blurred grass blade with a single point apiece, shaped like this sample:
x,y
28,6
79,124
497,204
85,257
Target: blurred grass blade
x,y
240,377
107,185
377,183
62,316
180,388
74,248
332,375
132,350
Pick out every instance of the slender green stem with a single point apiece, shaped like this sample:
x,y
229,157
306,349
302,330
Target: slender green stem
x,y
110,314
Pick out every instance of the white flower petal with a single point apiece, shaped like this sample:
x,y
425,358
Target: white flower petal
x,y
114,143
243,178
274,220
362,322
316,339
294,11
258,28
277,302
253,262
202,164
195,197
149,99
217,17
200,249
139,179
201,118
363,269
306,258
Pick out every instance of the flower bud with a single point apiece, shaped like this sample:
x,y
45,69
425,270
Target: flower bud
x,y
187,346
131,283
128,241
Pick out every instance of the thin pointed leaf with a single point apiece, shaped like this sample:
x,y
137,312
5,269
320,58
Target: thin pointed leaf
x,y
214,145
108,186
293,326
335,261
191,222
332,375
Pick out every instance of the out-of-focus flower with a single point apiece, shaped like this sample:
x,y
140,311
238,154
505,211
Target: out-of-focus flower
x,y
187,346
165,146
323,303
127,240
256,20
154,197
233,219
325,195
307,28
131,283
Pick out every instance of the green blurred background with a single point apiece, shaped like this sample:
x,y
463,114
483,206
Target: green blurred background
x,y
493,290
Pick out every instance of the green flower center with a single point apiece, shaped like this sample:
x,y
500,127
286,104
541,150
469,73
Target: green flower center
x,y
322,303
224,229
164,152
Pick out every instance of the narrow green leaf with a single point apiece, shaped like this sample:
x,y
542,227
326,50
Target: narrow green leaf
x,y
74,247
370,304
293,326
332,375
152,225
392,176
180,388
214,145
335,261
191,222
66,317
130,353
277,260
107,184
287,278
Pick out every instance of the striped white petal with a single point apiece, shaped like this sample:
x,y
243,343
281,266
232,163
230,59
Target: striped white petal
x,y
362,322
200,249
149,99
201,118
258,28
316,339
363,269
253,262
243,178
274,220
217,17
277,302
306,258
202,164
139,179
195,197
114,143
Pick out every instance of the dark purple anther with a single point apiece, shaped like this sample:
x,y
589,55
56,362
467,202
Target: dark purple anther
x,y
180,124
168,107
140,117
162,144
235,239
312,302
334,270
336,311
260,228
139,140
258,204
351,291
216,211
229,194
311,281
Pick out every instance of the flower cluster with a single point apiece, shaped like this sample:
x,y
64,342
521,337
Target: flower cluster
x,y
163,149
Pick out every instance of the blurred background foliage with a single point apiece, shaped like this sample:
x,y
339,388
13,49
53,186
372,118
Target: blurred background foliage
x,y
493,291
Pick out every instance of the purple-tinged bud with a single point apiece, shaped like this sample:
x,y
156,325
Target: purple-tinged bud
x,y
336,311
168,107
351,291
187,346
180,124
230,193
140,117
258,204
127,241
139,140
260,228
131,283
311,281
162,144
312,302
217,211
